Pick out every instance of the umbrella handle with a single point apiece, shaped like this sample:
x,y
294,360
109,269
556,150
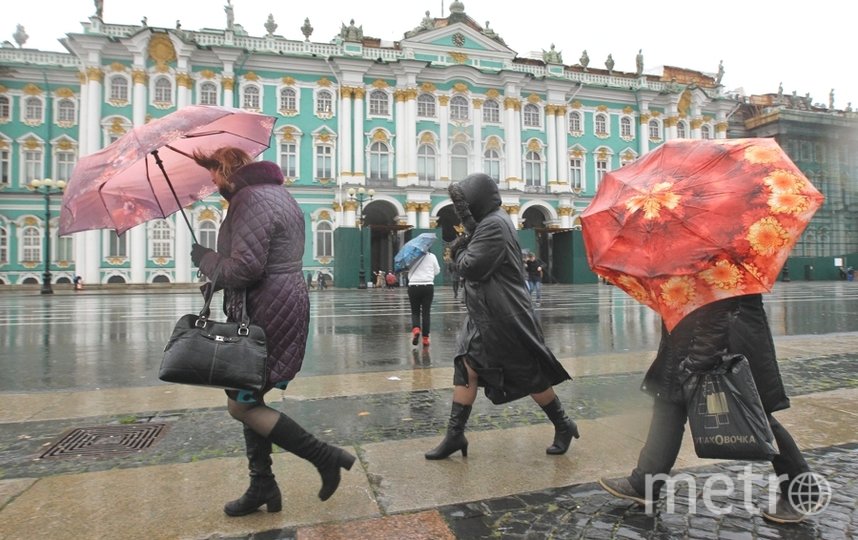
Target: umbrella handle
x,y
160,165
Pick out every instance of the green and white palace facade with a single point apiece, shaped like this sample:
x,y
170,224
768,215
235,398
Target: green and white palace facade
x,y
402,119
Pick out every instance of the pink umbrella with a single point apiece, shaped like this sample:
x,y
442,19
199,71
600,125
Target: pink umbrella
x,y
126,183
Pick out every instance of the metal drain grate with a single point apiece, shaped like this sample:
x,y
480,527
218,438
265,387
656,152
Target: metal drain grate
x,y
100,441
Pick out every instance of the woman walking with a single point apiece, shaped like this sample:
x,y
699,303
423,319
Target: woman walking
x,y
500,345
260,247
421,291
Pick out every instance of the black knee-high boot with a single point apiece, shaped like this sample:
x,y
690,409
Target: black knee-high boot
x,y
564,427
328,459
455,439
263,489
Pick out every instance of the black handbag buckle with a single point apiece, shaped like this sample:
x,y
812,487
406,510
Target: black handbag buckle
x,y
243,330
200,322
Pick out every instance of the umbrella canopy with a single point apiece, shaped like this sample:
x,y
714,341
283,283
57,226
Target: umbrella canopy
x,y
696,221
413,250
122,185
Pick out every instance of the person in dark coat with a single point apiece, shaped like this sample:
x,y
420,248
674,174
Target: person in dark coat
x,y
736,325
500,346
260,247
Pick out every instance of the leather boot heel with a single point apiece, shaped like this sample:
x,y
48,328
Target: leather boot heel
x,y
331,473
275,504
455,439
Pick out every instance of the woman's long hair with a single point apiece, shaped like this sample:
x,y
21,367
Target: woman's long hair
x,y
224,161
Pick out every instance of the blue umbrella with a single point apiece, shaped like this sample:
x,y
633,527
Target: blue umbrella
x,y
413,250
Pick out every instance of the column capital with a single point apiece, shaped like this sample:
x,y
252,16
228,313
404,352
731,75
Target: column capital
x,y
139,76
94,74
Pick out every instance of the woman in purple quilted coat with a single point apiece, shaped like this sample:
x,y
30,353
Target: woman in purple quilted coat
x,y
260,247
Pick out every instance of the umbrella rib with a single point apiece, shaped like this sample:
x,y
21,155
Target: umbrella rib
x,y
219,132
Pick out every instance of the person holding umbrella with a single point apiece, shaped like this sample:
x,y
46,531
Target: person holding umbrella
x,y
421,291
260,247
500,345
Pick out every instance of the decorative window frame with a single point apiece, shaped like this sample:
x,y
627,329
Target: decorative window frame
x,y
681,129
285,111
467,108
630,122
538,112
707,130
369,103
494,143
536,146
32,122
57,241
58,105
6,148
114,126
424,141
466,144
607,118
154,274
324,115
24,225
434,105
27,143
129,89
655,123
289,134
217,90
580,115
243,95
4,241
211,225
10,106
496,106
153,226
317,218
380,135
110,274
328,138
602,154
628,156
578,152
107,240
63,145
153,84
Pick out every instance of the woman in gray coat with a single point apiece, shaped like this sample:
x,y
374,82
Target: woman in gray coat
x,y
260,247
500,346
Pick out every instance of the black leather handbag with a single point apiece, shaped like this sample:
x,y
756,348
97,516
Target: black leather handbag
x,y
230,355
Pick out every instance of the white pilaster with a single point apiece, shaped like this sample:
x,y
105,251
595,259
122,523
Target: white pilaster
x,y
411,213
183,249
643,130
401,136
477,159
345,133
358,143
137,235
552,148
562,147
444,139
90,269
411,140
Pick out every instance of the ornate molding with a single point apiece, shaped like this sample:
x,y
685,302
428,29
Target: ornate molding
x,y
228,83
64,92
139,76
380,84
511,103
565,211
533,98
184,80
491,93
461,87
428,87
696,123
336,206
207,74
359,93
350,205
427,138
116,67
576,104
288,81
443,100
477,103
324,82
721,127
459,58
161,49
94,74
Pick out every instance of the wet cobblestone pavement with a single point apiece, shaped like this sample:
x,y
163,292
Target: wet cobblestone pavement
x,y
208,433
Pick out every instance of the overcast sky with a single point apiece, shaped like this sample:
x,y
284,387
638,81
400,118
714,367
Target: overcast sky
x,y
809,46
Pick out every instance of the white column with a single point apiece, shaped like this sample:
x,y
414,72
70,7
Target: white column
x,y
562,147
401,136
411,212
670,122
137,238
349,214
228,85
423,216
83,133
358,143
720,125
183,249
90,269
477,161
444,139
696,121
552,148
411,141
345,133
184,83
643,132
516,129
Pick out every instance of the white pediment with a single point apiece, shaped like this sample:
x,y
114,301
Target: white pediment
x,y
457,38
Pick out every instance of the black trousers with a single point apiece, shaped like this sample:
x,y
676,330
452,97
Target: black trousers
x,y
665,437
420,297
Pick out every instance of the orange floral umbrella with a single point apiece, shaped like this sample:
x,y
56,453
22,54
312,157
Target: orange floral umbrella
x,y
695,221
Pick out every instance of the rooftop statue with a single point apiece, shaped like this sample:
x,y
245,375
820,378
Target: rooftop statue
x,y
270,24
609,63
99,8
639,63
428,23
230,15
20,36
831,99
584,60
352,32
720,73
552,56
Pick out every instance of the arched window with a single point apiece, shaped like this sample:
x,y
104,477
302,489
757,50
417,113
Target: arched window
x,y
426,106
378,103
459,108
426,162
491,164
654,129
324,161
117,246
5,162
288,102
208,93
163,91
575,122
626,127
705,133
116,279
601,124
379,161
602,163
4,245
33,165
324,239
491,111
208,234
161,278
64,248
33,109
65,161
5,107
251,98
576,172
289,159
31,245
458,162
161,240
531,115
118,89
681,130
324,102
532,169
66,111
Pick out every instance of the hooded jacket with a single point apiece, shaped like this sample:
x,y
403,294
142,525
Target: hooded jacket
x,y
500,337
261,246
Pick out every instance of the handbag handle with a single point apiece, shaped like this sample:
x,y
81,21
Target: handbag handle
x,y
243,329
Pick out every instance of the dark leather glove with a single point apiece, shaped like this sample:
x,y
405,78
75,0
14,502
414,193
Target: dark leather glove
x,y
460,205
460,243
198,252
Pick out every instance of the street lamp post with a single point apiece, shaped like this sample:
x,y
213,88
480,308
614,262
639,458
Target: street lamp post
x,y
360,196
47,187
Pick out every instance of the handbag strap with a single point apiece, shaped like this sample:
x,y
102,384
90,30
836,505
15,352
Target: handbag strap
x,y
206,311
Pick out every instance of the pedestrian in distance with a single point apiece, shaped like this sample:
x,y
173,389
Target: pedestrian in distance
x,y
736,325
78,283
500,345
421,291
533,268
260,248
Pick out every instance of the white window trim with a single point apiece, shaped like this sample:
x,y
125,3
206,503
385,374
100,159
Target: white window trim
x,y
502,162
468,107
435,157
107,125
583,158
5,119
129,88
150,240
316,254
4,245
469,150
660,130
542,164
105,241
609,161
55,243
391,157
8,149
297,134
56,150
581,119
22,162
500,113
243,92
333,111
631,122
23,113
607,132
289,112
369,113
435,106
540,126
161,105
217,86
19,235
